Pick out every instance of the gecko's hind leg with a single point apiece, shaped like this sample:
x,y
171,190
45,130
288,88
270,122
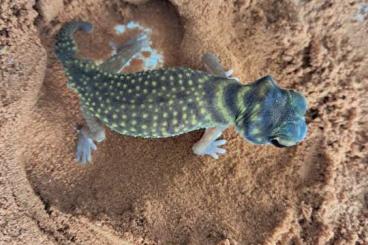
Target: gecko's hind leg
x,y
209,143
125,52
92,131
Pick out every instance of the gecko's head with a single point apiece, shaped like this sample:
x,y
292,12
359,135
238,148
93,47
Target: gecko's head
x,y
274,116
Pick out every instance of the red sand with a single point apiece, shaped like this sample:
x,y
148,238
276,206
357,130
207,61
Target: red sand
x,y
141,191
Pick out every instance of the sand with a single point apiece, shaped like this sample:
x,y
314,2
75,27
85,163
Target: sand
x,y
141,191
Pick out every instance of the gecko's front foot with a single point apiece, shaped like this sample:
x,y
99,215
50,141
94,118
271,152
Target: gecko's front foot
x,y
213,149
84,148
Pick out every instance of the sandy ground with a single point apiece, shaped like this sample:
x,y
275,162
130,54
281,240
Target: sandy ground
x,y
156,191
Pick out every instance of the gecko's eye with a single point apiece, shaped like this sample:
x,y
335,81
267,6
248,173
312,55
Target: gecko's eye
x,y
276,143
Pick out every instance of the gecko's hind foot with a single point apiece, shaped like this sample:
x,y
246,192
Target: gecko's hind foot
x,y
84,149
213,149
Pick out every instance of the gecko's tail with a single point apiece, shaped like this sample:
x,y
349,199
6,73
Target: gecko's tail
x,y
65,46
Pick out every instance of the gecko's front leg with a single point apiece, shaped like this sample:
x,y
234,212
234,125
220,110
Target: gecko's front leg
x,y
209,145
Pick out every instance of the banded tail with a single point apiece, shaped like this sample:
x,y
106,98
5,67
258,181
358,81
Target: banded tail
x,y
65,46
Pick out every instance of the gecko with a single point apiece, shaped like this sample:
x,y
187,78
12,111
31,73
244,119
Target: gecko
x,y
166,102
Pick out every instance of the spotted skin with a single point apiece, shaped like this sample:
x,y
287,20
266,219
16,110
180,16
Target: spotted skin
x,y
169,102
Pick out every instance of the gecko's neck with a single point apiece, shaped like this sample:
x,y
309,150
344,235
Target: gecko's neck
x,y
231,100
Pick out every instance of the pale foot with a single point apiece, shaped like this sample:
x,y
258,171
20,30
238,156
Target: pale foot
x,y
213,149
84,148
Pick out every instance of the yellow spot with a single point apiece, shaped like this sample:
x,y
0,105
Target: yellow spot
x,y
255,131
144,126
254,118
145,115
190,82
134,122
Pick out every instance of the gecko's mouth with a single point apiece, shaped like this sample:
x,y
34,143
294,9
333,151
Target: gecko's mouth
x,y
276,143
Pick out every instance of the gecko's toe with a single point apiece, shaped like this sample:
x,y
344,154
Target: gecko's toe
x,y
219,142
84,149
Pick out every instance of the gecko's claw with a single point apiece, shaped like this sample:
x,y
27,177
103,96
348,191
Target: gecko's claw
x,y
213,149
84,149
229,74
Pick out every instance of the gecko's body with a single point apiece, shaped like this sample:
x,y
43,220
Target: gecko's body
x,y
159,103
169,102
